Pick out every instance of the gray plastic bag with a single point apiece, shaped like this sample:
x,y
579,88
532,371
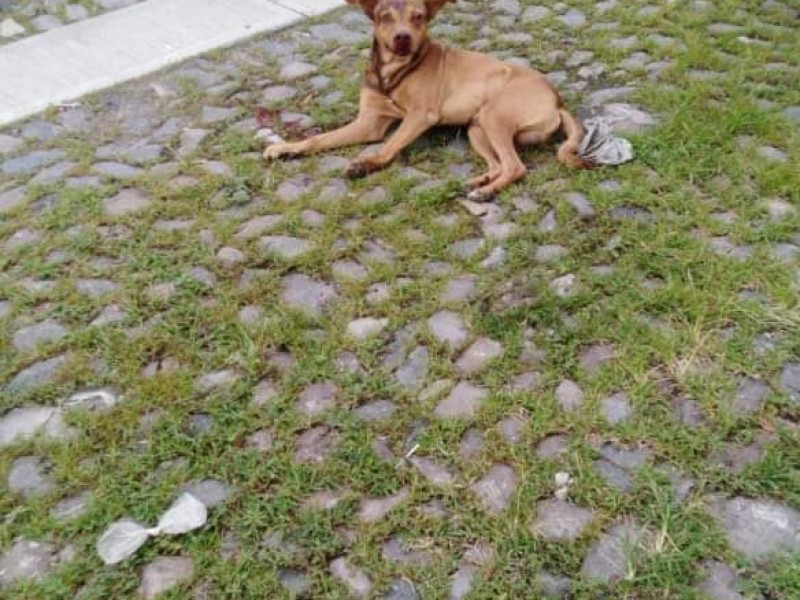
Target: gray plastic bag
x,y
601,146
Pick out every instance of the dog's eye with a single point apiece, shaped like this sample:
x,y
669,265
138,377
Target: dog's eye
x,y
387,18
418,19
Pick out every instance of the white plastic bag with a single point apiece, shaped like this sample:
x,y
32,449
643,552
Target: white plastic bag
x,y
123,538
186,514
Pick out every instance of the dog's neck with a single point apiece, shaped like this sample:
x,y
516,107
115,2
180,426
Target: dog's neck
x,y
387,70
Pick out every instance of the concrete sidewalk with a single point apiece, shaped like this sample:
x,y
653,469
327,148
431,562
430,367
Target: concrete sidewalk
x,y
69,62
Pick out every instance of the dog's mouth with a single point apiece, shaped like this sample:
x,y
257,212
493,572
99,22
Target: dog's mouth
x,y
402,48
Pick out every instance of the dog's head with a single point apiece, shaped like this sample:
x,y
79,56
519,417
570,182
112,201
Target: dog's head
x,y
401,26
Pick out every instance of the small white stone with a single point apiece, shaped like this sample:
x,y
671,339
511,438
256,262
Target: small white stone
x,y
563,479
495,259
94,400
10,28
361,329
779,208
230,256
356,579
565,286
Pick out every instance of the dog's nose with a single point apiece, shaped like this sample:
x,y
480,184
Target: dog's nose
x,y
402,39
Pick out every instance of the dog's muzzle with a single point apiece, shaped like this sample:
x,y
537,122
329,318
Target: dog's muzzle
x,y
402,44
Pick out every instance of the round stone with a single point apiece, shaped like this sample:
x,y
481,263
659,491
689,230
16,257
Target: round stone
x,y
317,399
93,400
38,374
44,332
616,408
435,473
354,578
71,508
756,527
558,520
165,573
313,446
593,357
26,560
379,411
285,247
411,374
750,395
29,477
296,583
25,422
209,491
720,582
471,444
496,489
628,119
610,557
790,382
569,395
463,402
373,510
479,355
449,328
306,294
552,447
296,70
401,589
361,329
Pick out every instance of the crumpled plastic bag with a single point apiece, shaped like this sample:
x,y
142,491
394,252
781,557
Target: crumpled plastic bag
x,y
123,538
601,146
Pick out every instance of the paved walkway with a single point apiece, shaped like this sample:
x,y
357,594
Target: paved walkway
x,y
68,62
592,391
24,18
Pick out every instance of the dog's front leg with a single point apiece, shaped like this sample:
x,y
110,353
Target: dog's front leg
x,y
375,117
367,128
413,126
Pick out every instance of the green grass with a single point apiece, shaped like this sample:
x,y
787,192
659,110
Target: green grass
x,y
670,305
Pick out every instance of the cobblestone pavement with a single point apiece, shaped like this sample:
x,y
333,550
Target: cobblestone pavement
x,y
21,18
591,391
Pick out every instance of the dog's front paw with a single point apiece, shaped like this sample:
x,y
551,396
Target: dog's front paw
x,y
277,150
363,167
479,195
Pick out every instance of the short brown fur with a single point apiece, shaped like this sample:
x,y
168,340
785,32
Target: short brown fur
x,y
421,84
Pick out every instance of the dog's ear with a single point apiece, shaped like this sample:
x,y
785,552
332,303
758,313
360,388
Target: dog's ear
x,y
434,6
368,6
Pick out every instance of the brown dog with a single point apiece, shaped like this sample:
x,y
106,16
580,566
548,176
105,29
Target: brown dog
x,y
422,84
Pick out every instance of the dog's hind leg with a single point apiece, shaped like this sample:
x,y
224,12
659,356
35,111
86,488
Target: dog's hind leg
x,y
501,136
481,144
530,138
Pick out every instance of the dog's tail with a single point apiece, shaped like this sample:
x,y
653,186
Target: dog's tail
x,y
568,151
